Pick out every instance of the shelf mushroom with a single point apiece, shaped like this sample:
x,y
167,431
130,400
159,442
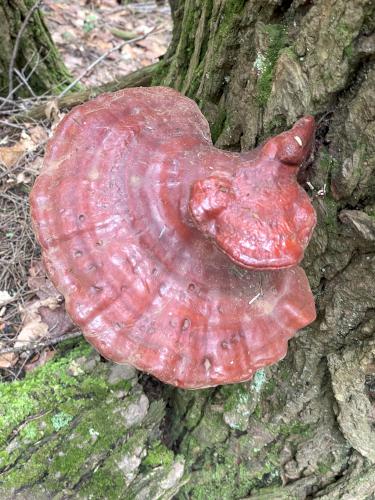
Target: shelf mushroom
x,y
172,255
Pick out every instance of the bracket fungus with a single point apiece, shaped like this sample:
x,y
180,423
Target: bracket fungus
x,y
172,255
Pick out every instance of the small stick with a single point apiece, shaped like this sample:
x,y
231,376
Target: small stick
x,y
24,81
34,346
103,56
9,124
17,43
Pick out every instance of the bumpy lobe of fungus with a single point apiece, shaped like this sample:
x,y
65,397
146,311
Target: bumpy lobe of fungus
x,y
174,256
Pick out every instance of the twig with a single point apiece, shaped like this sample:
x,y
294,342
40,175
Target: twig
x,y
34,346
103,56
24,81
8,124
17,43
139,78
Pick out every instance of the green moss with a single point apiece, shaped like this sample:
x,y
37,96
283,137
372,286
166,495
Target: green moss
x,y
295,428
38,393
231,9
344,33
323,468
157,455
223,39
211,429
349,51
65,420
269,387
258,412
235,395
181,59
284,371
159,74
32,431
104,485
194,85
266,62
194,413
330,213
221,475
61,420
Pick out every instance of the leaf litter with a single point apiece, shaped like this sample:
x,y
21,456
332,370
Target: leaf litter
x,y
32,312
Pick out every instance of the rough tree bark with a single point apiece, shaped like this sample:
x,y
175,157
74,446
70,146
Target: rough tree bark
x,y
303,428
37,57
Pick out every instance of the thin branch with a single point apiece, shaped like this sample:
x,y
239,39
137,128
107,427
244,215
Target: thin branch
x,y
9,124
139,78
17,43
24,81
103,56
34,346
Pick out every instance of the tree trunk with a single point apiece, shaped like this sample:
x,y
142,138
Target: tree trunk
x,y
36,57
303,428
306,426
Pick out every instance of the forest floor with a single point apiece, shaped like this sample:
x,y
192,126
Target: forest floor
x,y
95,41
84,30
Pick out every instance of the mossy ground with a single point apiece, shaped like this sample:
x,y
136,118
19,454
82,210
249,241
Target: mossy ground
x,y
66,425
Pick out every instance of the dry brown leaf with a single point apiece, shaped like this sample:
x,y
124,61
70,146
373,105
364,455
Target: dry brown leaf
x,y
45,317
9,155
39,281
7,360
33,330
33,327
58,321
39,359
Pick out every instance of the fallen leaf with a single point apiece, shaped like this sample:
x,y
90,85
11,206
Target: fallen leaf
x,y
8,359
39,281
45,317
39,359
58,321
33,327
32,330
9,155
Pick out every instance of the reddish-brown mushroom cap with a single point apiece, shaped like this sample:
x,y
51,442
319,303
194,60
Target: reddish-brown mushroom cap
x,y
137,213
